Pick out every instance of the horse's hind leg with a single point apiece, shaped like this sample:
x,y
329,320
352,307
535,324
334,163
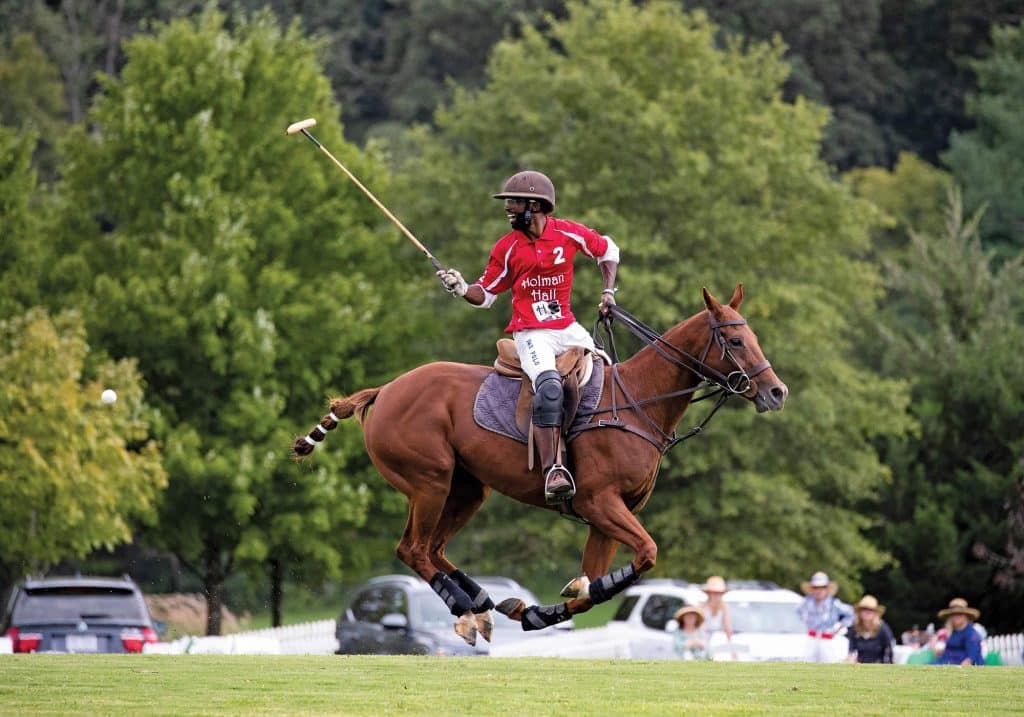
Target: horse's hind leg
x,y
466,496
615,523
427,500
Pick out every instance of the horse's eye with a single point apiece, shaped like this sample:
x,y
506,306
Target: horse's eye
x,y
736,341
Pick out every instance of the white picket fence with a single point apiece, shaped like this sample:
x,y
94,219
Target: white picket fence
x,y
307,638
1009,647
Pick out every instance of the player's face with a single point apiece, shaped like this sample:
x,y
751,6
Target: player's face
x,y
520,212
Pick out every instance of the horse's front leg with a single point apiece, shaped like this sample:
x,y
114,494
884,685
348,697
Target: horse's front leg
x,y
597,558
609,526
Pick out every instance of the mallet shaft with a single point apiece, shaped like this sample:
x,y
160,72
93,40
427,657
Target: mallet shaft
x,y
302,127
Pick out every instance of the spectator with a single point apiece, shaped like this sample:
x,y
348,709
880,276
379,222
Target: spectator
x,y
913,637
823,613
691,642
963,643
870,638
716,611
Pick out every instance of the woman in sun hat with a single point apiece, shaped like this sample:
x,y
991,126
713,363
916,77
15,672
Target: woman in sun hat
x,y
963,646
691,642
870,638
715,609
823,613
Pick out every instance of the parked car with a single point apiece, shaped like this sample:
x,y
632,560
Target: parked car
x,y
765,623
764,620
78,614
402,615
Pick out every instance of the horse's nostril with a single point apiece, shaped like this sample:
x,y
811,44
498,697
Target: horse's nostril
x,y
778,393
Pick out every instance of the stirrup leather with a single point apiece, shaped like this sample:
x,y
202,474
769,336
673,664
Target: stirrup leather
x,y
562,495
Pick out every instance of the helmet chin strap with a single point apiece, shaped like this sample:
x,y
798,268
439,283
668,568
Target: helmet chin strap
x,y
521,220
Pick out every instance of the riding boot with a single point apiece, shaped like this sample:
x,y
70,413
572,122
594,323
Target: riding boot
x,y
558,483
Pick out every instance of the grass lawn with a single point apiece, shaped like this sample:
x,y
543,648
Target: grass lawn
x,y
98,685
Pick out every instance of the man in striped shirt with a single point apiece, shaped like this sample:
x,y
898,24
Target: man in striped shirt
x,y
535,262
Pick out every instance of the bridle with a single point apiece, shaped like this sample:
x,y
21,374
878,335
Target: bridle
x,y
736,382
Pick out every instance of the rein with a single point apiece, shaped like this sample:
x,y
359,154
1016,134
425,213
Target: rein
x,y
737,382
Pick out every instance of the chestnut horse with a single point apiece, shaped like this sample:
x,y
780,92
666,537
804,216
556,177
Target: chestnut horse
x,y
423,439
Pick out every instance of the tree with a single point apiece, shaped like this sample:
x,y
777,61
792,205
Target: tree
x,y
75,474
31,87
23,251
912,196
684,151
953,324
890,71
392,63
247,276
988,160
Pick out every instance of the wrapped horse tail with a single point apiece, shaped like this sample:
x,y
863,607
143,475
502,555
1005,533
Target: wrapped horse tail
x,y
341,408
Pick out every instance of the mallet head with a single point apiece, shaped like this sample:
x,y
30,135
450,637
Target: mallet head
x,y
300,125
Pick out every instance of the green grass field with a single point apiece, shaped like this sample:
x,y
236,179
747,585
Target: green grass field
x,y
101,685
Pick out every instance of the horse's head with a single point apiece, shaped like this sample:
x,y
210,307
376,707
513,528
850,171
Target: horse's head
x,y
733,351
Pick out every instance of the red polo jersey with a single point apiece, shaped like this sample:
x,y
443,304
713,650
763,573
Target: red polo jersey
x,y
539,272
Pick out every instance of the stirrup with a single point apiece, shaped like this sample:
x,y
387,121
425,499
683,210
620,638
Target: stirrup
x,y
563,493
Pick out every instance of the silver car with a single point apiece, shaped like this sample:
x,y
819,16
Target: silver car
x,y
401,615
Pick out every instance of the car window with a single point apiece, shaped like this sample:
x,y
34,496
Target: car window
x,y
753,616
374,603
430,613
77,602
659,609
626,607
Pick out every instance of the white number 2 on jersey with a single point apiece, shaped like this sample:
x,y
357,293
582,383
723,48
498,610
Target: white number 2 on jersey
x,y
559,259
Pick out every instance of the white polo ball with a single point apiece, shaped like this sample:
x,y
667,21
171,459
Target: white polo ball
x,y
108,396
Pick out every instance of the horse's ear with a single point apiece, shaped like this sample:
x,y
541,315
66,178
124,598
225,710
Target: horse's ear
x,y
737,297
710,301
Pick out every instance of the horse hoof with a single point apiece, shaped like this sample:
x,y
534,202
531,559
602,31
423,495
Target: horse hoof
x,y
485,625
512,608
577,588
465,627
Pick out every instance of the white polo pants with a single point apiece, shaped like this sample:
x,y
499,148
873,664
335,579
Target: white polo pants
x,y
538,348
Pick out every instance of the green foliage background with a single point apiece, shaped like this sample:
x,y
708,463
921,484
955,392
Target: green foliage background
x,y
160,233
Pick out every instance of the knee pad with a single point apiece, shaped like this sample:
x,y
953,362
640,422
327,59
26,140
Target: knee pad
x,y
547,401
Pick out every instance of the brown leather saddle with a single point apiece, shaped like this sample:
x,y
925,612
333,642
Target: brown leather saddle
x,y
575,367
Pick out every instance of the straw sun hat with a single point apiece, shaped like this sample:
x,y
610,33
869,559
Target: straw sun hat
x,y
819,580
689,609
958,606
715,584
870,602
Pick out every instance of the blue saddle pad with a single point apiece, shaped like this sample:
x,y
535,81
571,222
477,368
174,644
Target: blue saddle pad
x,y
495,405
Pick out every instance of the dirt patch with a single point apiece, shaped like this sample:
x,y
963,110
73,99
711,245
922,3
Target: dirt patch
x,y
185,614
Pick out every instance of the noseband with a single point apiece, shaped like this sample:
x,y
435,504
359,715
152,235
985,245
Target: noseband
x,y
736,382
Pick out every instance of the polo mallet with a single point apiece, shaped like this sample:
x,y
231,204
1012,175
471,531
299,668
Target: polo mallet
x,y
302,126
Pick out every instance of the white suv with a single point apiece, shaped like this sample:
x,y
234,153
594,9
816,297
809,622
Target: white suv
x,y
764,621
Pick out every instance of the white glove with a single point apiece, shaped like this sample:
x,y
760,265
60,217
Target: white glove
x,y
453,282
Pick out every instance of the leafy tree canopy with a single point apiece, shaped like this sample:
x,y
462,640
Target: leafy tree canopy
x,y
955,323
245,273
989,159
74,472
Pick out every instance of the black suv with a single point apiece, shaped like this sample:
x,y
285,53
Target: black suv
x,y
78,614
